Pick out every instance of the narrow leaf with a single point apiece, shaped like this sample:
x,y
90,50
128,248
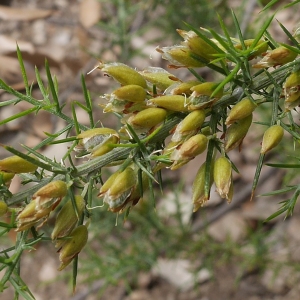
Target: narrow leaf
x,y
23,71
88,101
19,115
270,4
51,85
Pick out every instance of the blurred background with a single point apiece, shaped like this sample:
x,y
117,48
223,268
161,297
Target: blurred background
x,y
222,251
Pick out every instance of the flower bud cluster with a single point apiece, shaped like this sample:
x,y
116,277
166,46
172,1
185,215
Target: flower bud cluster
x,y
144,102
146,99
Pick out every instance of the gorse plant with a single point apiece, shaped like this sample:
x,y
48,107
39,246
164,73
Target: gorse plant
x,y
153,104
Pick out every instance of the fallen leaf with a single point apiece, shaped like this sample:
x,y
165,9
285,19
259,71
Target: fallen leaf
x,y
23,14
9,44
10,69
11,74
89,12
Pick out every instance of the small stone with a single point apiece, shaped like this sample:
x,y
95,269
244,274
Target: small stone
x,y
231,225
178,273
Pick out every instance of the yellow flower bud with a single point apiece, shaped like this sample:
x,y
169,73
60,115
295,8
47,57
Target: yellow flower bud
x,y
179,56
30,216
188,150
182,88
96,141
296,32
170,102
241,110
123,74
118,188
134,197
50,195
199,197
236,132
124,98
159,77
67,219
222,176
6,178
147,118
260,48
3,208
108,183
73,245
16,164
201,96
291,87
131,93
189,125
276,57
197,45
272,137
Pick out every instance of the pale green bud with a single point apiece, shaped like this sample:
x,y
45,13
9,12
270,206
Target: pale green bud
x,y
277,57
3,208
148,118
50,195
180,56
241,110
67,219
123,98
118,188
236,132
181,88
197,45
16,164
291,87
96,141
7,178
30,216
73,245
189,125
260,48
123,74
222,176
131,93
272,137
201,96
199,197
188,150
170,102
159,77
